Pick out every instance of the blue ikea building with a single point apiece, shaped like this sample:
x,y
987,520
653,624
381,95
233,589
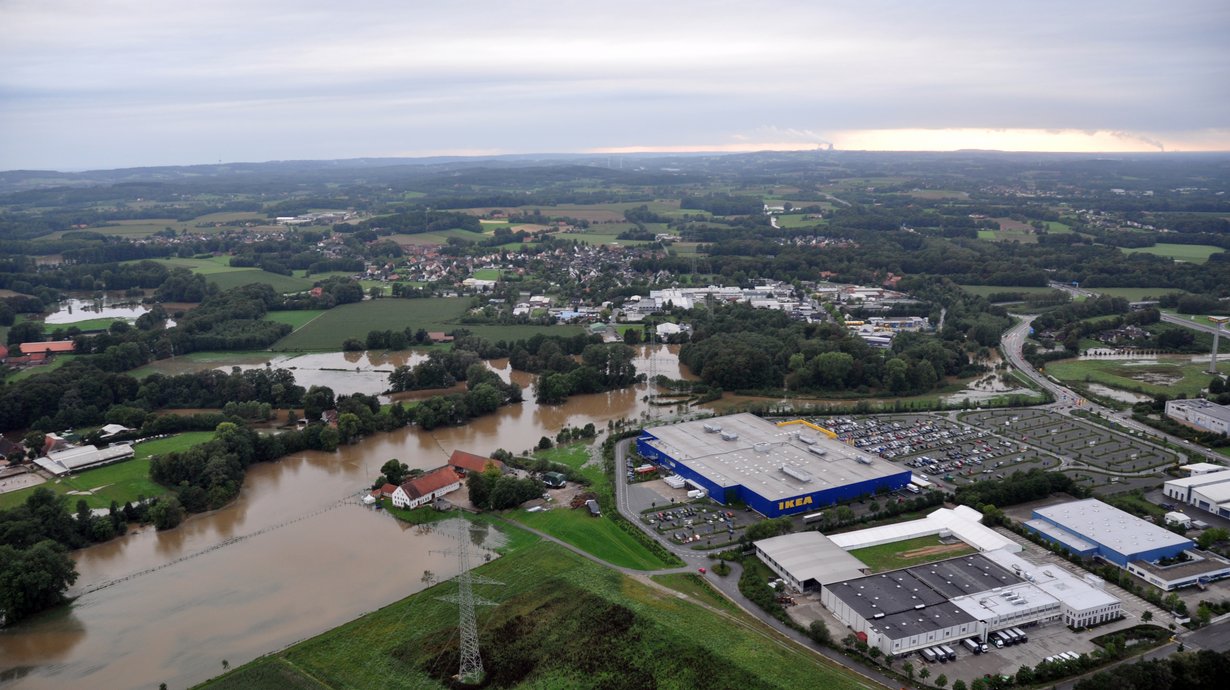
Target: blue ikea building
x,y
1092,528
774,470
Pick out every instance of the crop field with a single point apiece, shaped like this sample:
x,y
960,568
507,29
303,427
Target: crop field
x,y
440,237
560,621
122,482
902,554
1169,375
1192,253
210,266
144,227
329,330
87,324
799,220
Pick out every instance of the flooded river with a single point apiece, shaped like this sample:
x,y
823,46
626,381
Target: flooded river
x,y
74,310
287,560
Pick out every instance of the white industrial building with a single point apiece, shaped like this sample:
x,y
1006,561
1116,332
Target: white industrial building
x,y
962,522
1209,491
969,596
806,560
1201,414
1202,468
61,462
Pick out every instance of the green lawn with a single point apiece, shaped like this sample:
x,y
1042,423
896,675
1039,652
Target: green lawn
x,y
297,319
86,324
488,274
799,220
435,314
1136,294
210,266
121,482
696,587
55,363
984,290
596,535
229,279
559,621
890,556
1168,375
1193,253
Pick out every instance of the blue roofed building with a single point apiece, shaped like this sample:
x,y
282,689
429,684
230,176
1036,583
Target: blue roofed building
x,y
775,470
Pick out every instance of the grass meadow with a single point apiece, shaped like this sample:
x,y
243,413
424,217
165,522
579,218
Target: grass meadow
x,y
1191,253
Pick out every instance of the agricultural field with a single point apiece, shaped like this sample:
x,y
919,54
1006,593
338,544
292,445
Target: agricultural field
x,y
280,283
596,535
122,482
87,324
902,554
1170,375
1193,253
560,621
799,220
144,227
440,237
329,330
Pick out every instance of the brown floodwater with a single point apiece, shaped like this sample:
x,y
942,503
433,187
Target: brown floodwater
x,y
293,556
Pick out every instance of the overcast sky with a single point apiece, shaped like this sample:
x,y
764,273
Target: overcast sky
x,y
114,83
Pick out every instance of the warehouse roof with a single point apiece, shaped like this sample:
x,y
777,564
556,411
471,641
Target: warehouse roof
x,y
776,463
1110,527
1077,592
1199,480
1203,468
811,556
1220,412
962,521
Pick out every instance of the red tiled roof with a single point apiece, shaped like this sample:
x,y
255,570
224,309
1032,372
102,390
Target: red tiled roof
x,y
471,462
50,346
432,481
386,490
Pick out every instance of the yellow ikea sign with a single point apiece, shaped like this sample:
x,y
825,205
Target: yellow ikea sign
x,y
794,503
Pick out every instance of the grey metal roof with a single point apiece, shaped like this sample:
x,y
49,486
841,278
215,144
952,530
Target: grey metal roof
x,y
770,460
1110,526
811,556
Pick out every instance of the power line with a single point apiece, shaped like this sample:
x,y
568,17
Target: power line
x,y
471,666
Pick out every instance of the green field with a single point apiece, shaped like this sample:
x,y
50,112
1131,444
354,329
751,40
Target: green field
x,y
488,274
1135,294
55,363
86,324
329,330
1192,253
799,220
205,267
1168,375
696,587
280,283
890,556
296,319
596,535
984,290
561,621
121,482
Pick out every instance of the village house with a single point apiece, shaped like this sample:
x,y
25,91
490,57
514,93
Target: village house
x,y
426,488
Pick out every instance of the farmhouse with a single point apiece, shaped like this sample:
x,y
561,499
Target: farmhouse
x,y
424,489
775,470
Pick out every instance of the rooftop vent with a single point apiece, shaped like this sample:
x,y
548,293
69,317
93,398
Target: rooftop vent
x,y
730,436
796,473
762,447
712,427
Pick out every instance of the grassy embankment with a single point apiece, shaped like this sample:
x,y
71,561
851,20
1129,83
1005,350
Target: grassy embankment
x,y
599,536
893,556
122,482
327,331
1167,375
561,622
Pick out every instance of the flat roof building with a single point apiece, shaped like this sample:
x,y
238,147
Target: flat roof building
x,y
1091,528
807,560
1202,468
1200,414
774,470
1209,491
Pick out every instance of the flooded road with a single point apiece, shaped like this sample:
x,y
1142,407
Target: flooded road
x,y
285,561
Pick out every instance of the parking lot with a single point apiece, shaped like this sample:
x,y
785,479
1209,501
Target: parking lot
x,y
1070,438
702,523
937,449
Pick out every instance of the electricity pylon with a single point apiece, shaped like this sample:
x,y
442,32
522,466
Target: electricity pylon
x,y
471,668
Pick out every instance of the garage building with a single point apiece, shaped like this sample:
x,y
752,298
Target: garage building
x,y
774,470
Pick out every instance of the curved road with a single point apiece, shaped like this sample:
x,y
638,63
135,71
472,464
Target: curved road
x,y
1066,400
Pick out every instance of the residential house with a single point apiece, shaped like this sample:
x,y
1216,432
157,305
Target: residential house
x,y
464,463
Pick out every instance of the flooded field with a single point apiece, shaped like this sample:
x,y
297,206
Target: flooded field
x,y
74,310
289,559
